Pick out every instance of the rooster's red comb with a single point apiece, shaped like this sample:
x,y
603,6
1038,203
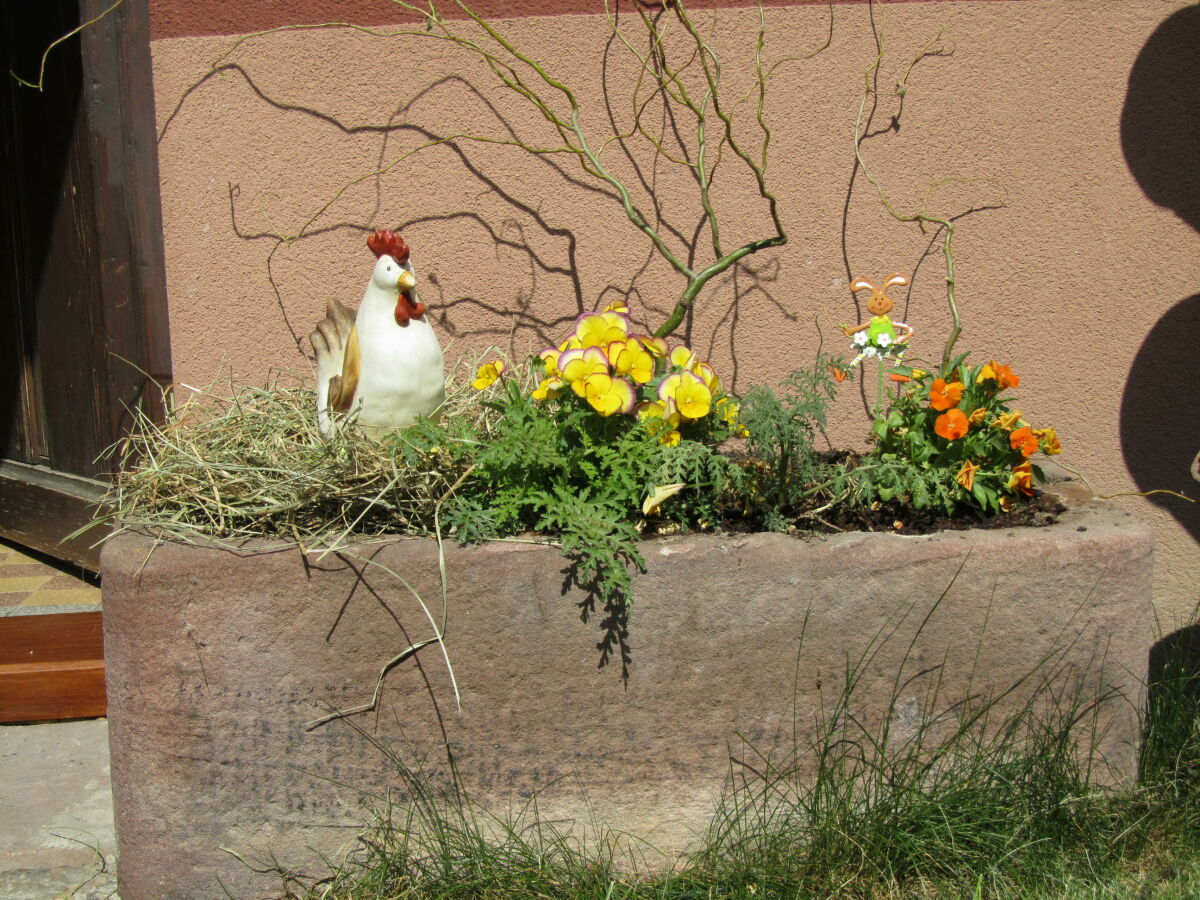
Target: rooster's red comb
x,y
388,242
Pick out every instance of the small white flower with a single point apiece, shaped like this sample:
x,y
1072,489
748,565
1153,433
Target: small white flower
x,y
870,352
860,338
884,340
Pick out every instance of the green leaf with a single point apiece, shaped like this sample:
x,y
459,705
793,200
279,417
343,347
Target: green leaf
x,y
981,494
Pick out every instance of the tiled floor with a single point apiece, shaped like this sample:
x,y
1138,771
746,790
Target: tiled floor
x,y
31,583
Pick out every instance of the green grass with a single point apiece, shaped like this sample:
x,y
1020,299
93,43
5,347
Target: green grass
x,y
976,804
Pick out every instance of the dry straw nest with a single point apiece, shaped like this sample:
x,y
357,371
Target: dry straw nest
x,y
233,462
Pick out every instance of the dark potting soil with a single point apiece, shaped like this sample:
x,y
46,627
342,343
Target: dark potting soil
x,y
1036,511
895,516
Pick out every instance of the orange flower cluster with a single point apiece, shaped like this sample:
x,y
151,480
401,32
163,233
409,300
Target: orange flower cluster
x,y
945,396
955,423
1001,374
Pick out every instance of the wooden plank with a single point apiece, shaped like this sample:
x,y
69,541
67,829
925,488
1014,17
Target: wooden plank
x,y
40,507
75,692
123,149
52,667
57,638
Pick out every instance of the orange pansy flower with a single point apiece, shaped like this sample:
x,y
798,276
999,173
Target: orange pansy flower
x,y
943,396
1022,479
1023,440
966,475
1048,441
1006,377
1001,374
951,425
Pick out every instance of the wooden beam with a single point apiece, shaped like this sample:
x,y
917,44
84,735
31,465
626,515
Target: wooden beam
x,y
40,507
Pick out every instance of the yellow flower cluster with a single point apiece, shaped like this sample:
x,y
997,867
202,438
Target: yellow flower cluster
x,y
617,372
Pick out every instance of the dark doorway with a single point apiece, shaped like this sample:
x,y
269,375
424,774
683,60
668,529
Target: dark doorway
x,y
82,295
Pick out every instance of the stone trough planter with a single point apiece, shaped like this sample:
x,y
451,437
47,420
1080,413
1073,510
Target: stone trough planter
x,y
217,659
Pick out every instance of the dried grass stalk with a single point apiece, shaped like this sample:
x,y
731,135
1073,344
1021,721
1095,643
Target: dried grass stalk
x,y
241,462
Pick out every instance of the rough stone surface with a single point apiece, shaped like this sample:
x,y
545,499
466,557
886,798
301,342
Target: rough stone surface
x,y
217,659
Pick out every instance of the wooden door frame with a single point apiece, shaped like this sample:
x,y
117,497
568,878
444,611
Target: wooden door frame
x,y
40,506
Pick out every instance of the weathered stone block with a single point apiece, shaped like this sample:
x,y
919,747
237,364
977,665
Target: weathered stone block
x,y
217,659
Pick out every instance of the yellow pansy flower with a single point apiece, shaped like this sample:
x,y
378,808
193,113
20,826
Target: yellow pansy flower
x,y
598,329
549,358
487,374
651,409
728,410
656,345
1008,421
608,395
632,359
708,376
683,357
689,393
577,365
548,389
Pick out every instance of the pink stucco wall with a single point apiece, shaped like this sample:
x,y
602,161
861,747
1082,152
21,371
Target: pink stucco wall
x,y
1077,115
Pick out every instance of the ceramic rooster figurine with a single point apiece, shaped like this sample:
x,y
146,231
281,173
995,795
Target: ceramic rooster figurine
x,y
384,365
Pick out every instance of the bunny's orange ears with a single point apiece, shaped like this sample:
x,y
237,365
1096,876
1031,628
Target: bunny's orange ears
x,y
860,284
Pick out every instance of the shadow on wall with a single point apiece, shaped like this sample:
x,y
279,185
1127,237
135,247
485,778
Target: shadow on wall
x,y
1160,422
1161,118
1159,127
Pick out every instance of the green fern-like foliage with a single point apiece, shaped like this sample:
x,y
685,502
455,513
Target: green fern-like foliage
x,y
783,467
562,470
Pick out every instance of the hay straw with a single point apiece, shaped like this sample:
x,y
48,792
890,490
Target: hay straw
x,y
233,462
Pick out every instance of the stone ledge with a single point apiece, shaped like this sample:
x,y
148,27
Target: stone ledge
x,y
217,659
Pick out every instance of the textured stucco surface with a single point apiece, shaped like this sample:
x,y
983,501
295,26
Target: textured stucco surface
x,y
216,660
1081,281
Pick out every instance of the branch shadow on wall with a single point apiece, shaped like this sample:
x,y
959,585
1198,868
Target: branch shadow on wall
x,y
525,213
523,232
